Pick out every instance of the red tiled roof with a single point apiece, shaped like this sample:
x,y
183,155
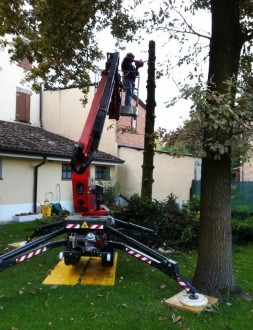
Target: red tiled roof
x,y
29,140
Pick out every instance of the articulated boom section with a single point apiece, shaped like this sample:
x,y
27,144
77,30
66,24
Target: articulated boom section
x,y
86,199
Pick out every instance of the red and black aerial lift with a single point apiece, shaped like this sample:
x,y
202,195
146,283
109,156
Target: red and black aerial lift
x,y
93,232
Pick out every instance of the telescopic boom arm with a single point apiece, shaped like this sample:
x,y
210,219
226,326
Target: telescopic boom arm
x,y
85,196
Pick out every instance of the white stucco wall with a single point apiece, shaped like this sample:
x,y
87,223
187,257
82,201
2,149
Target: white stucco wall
x,y
11,77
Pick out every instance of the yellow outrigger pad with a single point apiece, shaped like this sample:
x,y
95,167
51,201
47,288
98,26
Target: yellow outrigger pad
x,y
96,274
88,271
175,302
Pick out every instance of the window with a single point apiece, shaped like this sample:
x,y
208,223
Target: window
x,y
133,123
102,172
66,172
23,97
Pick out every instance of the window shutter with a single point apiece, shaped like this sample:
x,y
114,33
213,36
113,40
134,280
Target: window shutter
x,y
22,107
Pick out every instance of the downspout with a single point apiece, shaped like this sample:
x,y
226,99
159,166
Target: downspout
x,y
35,190
40,106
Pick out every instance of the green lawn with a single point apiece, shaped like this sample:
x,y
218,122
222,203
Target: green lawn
x,y
134,302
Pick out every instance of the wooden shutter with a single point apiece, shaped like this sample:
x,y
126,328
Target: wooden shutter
x,y
22,107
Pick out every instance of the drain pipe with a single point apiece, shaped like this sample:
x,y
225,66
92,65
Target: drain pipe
x,y
40,105
35,189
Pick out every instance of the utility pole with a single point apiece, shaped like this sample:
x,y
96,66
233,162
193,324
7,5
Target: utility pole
x,y
148,157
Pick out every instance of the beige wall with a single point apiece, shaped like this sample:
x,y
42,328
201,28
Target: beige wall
x,y
17,183
64,114
50,183
130,173
171,175
16,187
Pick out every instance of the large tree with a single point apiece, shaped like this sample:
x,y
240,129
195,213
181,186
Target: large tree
x,y
220,125
214,272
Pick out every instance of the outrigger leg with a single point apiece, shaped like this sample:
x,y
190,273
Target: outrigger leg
x,y
31,249
155,259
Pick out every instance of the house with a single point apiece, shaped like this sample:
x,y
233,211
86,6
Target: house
x,y
35,162
35,165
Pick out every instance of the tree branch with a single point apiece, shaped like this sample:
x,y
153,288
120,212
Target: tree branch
x,y
190,27
186,32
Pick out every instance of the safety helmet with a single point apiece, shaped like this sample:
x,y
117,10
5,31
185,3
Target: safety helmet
x,y
131,55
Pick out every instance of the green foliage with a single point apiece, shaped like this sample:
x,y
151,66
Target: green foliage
x,y
229,116
176,226
242,230
111,192
59,37
240,212
225,113
242,225
194,203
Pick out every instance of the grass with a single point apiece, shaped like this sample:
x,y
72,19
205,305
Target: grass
x,y
134,302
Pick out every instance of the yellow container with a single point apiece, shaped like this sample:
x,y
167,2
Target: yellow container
x,y
46,211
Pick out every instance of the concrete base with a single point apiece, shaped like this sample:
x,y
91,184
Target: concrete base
x,y
27,217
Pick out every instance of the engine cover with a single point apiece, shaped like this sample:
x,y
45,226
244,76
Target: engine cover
x,y
79,222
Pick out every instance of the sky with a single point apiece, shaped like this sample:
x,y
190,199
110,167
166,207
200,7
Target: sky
x,y
166,88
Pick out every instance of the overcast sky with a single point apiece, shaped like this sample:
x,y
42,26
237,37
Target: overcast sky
x,y
166,88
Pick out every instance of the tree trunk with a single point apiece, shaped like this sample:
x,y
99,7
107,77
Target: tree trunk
x,y
148,158
214,272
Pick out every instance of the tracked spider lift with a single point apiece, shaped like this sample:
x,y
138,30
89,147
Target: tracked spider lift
x,y
93,232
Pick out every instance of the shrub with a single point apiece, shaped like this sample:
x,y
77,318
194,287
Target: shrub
x,y
111,192
242,230
194,203
176,226
240,212
179,226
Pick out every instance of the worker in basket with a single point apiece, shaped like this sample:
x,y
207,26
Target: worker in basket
x,y
130,68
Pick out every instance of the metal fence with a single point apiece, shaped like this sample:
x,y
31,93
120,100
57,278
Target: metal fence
x,y
241,193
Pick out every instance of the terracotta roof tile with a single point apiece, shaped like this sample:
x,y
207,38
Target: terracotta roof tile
x,y
29,140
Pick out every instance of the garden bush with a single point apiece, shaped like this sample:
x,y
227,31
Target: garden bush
x,y
240,212
177,226
242,230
